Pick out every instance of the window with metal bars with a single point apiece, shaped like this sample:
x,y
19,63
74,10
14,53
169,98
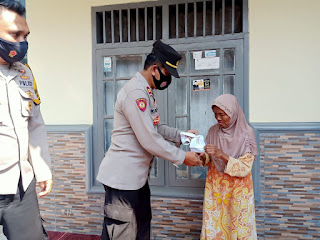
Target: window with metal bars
x,y
129,25
189,19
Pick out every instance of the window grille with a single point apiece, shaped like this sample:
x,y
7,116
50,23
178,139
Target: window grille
x,y
129,25
189,19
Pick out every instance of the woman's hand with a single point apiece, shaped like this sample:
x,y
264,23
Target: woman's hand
x,y
216,152
203,158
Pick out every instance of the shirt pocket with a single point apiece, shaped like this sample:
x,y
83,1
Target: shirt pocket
x,y
27,104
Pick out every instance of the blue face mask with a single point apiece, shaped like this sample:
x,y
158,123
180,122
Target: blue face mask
x,y
12,51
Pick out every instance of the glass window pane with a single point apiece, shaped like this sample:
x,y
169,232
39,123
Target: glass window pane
x,y
228,17
181,90
208,18
190,20
127,66
182,123
181,20
229,60
99,27
108,97
182,66
120,84
201,115
108,127
238,16
182,172
154,169
124,25
141,24
197,71
116,26
198,172
108,27
107,67
228,84
159,22
199,18
150,23
218,17
133,26
172,21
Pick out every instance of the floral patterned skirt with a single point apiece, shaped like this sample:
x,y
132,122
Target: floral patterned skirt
x,y
228,208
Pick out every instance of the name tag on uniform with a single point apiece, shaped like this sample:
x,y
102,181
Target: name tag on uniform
x,y
154,110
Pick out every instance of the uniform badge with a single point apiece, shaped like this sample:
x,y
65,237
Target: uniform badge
x,y
23,71
30,94
12,53
149,90
24,77
156,120
154,110
30,105
142,104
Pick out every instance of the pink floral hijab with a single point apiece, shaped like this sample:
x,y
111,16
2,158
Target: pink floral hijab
x,y
238,138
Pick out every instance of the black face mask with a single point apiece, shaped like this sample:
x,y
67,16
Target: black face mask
x,y
12,51
163,82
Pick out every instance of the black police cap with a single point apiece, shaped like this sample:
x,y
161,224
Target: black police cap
x,y
168,57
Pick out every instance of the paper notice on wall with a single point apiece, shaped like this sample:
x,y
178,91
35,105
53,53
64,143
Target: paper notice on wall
x,y
107,64
207,63
210,53
201,84
197,54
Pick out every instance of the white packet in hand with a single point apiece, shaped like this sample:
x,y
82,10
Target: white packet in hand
x,y
186,137
196,142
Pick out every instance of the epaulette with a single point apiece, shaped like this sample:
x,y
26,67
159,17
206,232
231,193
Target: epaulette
x,y
36,101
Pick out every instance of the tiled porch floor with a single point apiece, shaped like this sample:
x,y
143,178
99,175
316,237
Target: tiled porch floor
x,y
71,236
64,236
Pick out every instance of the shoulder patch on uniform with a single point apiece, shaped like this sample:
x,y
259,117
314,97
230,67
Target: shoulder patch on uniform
x,y
37,99
142,104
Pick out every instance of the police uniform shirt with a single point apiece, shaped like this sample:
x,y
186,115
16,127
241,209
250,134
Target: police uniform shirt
x,y
23,138
137,136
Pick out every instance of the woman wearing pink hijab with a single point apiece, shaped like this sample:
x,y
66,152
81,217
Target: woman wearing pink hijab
x,y
228,209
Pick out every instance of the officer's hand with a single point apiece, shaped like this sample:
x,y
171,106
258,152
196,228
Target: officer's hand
x,y
46,187
193,131
192,159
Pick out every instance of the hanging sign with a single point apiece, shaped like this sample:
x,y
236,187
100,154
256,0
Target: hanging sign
x,y
107,64
207,63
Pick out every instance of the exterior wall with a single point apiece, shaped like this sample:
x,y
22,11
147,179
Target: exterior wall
x,y
290,177
283,60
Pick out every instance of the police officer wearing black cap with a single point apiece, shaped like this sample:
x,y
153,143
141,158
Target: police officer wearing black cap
x,y
137,137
